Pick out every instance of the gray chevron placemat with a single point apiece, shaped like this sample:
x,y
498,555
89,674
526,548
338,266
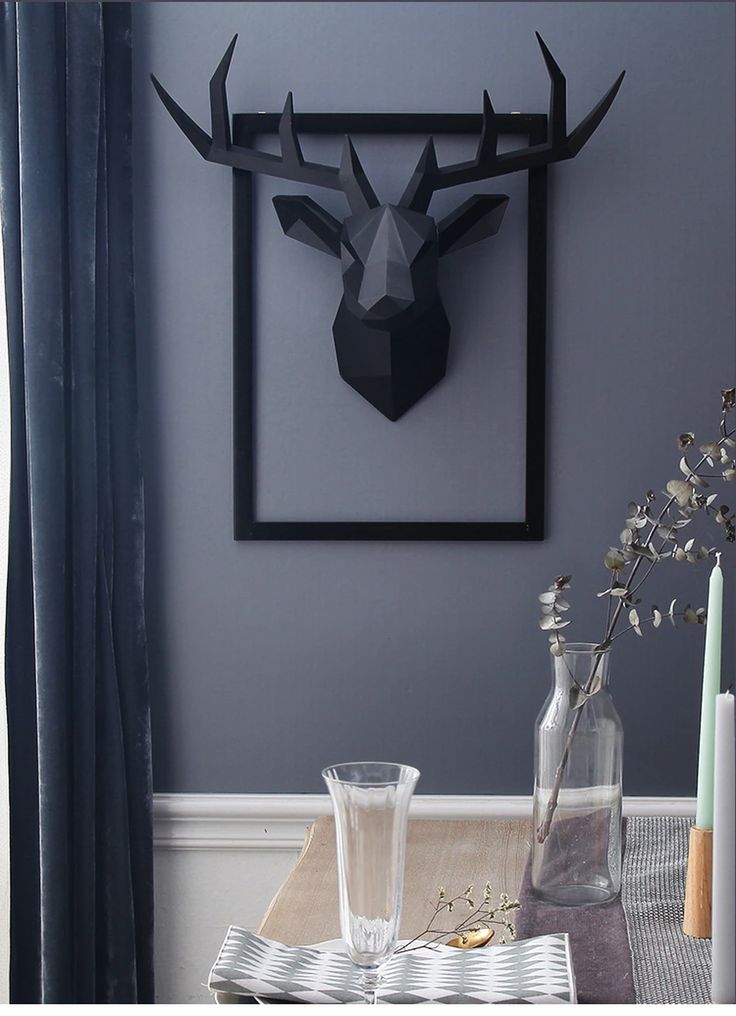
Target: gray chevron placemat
x,y
538,970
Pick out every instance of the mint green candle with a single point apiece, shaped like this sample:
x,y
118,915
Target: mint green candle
x,y
711,688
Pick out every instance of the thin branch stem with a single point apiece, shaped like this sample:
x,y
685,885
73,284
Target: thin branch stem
x,y
645,620
610,600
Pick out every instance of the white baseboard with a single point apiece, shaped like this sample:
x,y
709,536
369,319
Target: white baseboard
x,y
277,821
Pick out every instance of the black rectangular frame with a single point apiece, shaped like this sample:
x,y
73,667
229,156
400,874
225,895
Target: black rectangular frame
x,y
246,127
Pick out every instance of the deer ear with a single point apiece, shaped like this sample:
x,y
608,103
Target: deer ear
x,y
475,219
302,219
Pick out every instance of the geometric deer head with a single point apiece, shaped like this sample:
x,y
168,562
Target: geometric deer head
x,y
391,332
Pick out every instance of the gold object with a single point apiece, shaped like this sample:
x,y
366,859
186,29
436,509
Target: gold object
x,y
472,939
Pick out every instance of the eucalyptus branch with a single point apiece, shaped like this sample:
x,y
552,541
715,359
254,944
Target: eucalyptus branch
x,y
610,602
684,494
688,615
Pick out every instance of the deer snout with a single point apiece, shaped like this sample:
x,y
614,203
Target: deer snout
x,y
386,289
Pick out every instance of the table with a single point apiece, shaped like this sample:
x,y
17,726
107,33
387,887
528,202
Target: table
x,y
449,853
631,949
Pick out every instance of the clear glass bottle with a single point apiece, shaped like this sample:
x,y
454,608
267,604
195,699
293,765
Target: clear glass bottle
x,y
576,842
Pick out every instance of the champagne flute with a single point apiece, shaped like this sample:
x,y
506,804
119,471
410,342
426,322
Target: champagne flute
x,y
371,805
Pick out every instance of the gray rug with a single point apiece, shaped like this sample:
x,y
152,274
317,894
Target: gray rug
x,y
633,949
668,965
599,942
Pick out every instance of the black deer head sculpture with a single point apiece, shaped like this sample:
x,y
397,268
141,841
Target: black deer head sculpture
x,y
391,331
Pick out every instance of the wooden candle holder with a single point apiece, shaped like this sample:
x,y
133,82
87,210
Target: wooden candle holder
x,y
699,888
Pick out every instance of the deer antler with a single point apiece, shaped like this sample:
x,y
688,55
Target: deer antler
x,y
428,177
289,165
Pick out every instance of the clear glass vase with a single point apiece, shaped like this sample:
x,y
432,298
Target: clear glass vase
x,y
576,843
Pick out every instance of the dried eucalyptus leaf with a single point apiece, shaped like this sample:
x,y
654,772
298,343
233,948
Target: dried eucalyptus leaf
x,y
595,685
578,697
729,475
690,544
656,617
689,616
547,598
681,490
552,623
712,449
638,631
633,617
557,649
614,560
685,440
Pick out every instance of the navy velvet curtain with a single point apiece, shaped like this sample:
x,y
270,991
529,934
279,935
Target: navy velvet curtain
x,y
76,665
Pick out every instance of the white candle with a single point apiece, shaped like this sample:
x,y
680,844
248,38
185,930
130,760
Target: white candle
x,y
723,985
711,687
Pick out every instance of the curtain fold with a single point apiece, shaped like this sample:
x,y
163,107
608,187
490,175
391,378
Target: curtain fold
x,y
76,663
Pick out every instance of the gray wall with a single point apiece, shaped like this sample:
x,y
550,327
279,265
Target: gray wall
x,y
271,660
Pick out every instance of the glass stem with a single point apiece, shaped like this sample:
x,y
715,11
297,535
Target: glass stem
x,y
369,983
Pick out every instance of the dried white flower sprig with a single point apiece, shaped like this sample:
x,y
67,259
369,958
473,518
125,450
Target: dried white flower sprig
x,y
475,917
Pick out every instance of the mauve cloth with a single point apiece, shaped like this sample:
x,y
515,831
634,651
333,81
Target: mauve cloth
x,y
599,943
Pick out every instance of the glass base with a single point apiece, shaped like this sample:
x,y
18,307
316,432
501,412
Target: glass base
x,y
576,895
